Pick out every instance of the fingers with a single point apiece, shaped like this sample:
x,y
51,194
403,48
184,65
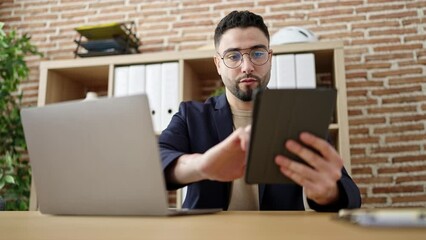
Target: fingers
x,y
327,161
324,170
327,151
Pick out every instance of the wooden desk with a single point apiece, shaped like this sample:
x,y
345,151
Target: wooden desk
x,y
225,225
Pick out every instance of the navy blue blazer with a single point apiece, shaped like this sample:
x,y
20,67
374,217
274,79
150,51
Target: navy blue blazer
x,y
199,126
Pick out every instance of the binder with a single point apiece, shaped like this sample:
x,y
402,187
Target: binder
x,y
273,79
153,90
305,70
286,72
136,79
169,92
121,76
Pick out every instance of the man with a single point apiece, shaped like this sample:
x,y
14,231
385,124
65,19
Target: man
x,y
204,146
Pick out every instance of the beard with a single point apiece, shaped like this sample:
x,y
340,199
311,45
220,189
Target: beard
x,y
247,94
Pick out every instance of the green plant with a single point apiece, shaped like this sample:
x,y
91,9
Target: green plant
x,y
15,173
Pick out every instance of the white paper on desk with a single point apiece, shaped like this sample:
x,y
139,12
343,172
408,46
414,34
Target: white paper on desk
x,y
410,217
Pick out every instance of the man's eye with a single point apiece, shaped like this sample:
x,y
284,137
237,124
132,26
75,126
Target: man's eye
x,y
258,54
233,56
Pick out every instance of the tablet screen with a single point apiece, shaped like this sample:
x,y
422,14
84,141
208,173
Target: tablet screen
x,y
279,115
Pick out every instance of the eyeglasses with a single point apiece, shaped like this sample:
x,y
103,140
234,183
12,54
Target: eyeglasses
x,y
234,58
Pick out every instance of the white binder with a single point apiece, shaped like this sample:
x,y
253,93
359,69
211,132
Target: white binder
x,y
305,70
153,90
169,92
121,81
273,79
286,71
136,79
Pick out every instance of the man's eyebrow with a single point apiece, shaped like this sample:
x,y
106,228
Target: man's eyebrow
x,y
239,49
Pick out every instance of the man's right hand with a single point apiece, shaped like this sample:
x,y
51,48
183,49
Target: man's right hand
x,y
225,161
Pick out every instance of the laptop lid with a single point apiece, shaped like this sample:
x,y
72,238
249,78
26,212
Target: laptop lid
x,y
96,157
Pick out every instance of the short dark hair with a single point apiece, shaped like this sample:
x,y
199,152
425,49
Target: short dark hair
x,y
239,19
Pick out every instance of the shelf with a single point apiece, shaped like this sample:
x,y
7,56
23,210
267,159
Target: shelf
x,y
66,80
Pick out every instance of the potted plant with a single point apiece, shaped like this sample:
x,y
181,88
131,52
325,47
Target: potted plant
x,y
15,173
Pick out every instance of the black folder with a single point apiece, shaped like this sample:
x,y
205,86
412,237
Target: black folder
x,y
279,115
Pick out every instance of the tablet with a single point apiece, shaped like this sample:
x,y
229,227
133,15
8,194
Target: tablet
x,y
279,115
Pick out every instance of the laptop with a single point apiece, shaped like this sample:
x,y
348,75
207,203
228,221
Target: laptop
x,y
97,157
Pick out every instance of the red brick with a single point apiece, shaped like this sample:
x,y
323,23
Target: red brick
x,y
332,12
370,41
415,38
108,3
361,171
406,179
356,131
356,93
404,99
355,50
399,90
243,5
115,9
364,140
419,198
375,24
362,74
395,149
357,151
399,129
383,110
371,200
405,138
407,80
398,47
362,102
353,112
373,180
363,84
388,56
340,35
297,7
416,5
397,15
398,189
355,59
379,8
367,66
415,21
409,158
393,32
333,4
367,121
342,19
368,160
409,118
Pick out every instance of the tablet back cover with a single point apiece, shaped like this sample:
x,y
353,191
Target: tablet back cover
x,y
279,115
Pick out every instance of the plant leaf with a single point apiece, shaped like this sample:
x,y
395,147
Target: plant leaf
x,y
9,179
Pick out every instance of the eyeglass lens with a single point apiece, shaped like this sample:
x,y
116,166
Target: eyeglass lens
x,y
258,56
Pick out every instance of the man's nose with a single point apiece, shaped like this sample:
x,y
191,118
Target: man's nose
x,y
246,65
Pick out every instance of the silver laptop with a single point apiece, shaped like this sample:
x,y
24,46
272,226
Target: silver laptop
x,y
97,157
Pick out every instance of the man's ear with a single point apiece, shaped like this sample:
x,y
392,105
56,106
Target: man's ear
x,y
217,63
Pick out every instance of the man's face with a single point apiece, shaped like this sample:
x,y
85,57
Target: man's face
x,y
243,80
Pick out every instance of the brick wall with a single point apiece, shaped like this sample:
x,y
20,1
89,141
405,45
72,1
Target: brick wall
x,y
385,60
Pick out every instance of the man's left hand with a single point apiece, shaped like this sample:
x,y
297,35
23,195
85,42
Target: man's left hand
x,y
320,179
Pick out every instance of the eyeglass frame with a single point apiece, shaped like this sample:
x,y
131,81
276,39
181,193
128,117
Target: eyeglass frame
x,y
242,55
